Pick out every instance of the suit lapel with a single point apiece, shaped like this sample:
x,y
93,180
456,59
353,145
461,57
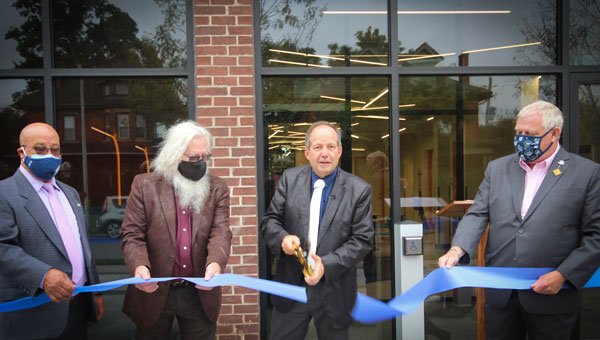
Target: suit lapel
x,y
166,196
333,203
517,185
39,212
550,180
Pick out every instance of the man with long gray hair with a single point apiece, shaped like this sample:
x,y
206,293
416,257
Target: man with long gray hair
x,y
176,224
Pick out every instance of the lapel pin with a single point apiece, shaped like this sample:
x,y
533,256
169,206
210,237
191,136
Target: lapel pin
x,y
557,171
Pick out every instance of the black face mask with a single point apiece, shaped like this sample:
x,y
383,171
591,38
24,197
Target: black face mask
x,y
193,171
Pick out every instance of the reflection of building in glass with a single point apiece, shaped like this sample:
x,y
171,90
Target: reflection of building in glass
x,y
124,107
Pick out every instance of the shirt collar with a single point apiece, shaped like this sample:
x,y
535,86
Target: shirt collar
x,y
545,164
36,183
328,179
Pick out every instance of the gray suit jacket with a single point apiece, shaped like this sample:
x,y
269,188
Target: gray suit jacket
x,y
29,246
560,230
345,237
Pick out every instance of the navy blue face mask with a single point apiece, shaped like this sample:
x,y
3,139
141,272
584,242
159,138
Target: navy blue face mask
x,y
42,166
528,147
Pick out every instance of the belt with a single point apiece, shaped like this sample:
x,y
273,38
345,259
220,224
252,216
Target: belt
x,y
179,283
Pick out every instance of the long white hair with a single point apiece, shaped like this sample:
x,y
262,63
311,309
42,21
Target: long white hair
x,y
191,194
177,138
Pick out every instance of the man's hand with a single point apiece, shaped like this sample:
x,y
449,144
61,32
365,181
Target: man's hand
x,y
58,286
451,258
144,273
99,305
549,283
211,270
289,243
318,271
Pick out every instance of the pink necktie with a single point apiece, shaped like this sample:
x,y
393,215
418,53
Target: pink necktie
x,y
67,234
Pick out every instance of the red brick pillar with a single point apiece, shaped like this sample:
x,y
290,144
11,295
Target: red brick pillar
x,y
224,62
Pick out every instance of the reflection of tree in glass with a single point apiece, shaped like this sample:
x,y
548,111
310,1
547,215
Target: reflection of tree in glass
x,y
369,43
96,33
299,30
280,15
589,117
584,36
539,28
161,101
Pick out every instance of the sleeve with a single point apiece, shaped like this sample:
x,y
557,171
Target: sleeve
x,y
133,228
471,227
272,225
583,261
25,271
219,243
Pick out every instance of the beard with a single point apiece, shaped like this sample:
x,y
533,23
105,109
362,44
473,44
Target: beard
x,y
191,194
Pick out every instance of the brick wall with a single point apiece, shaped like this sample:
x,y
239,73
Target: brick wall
x,y
224,61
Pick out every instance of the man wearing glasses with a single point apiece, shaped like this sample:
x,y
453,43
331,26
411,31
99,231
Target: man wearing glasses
x,y
176,224
44,245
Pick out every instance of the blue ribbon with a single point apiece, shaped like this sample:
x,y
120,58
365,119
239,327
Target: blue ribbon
x,y
366,309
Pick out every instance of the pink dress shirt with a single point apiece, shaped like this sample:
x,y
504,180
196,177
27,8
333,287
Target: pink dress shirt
x,y
533,179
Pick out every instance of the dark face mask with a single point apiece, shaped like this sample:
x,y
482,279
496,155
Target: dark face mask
x,y
193,171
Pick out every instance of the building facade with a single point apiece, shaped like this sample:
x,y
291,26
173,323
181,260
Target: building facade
x,y
425,94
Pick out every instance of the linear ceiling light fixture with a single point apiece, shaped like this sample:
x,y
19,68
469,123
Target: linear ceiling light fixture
x,y
422,12
427,56
325,57
297,63
343,100
371,117
381,94
273,134
374,108
501,47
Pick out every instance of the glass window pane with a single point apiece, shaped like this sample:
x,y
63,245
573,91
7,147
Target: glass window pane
x,y
584,33
93,168
21,34
69,128
123,125
359,106
21,103
119,33
589,121
477,33
338,33
450,128
140,127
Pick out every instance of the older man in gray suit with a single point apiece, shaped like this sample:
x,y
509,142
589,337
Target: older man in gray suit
x,y
44,245
336,229
543,207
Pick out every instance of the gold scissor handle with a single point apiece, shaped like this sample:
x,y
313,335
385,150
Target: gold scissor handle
x,y
307,269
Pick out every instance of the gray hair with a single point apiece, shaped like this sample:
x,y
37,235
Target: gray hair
x,y
177,139
321,123
552,117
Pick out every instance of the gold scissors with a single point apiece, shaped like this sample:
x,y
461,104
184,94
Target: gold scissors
x,y
307,269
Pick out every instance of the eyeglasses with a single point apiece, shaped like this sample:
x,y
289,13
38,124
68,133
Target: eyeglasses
x,y
42,150
205,157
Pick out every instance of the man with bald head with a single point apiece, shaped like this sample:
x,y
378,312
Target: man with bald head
x,y
44,245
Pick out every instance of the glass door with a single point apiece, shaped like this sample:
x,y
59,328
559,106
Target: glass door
x,y
585,140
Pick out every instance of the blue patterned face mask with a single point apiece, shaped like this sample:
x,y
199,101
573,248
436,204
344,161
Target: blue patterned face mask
x,y
528,147
42,166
